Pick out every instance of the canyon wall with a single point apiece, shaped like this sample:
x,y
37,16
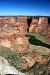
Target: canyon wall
x,y
13,27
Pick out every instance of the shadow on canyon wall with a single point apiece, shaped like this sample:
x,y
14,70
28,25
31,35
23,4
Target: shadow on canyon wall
x,y
34,41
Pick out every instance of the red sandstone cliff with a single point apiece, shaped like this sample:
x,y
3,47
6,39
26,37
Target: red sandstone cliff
x,y
21,25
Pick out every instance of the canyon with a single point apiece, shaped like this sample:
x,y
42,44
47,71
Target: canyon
x,y
16,46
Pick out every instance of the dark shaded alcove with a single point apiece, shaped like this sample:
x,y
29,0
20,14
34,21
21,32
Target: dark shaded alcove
x,y
48,73
48,20
29,20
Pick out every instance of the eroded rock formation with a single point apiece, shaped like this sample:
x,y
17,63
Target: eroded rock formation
x,y
24,55
41,27
21,25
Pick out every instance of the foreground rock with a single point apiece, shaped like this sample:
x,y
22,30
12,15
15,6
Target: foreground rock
x,y
26,60
32,58
5,67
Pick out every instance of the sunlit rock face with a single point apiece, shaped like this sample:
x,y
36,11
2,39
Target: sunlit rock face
x,y
5,67
12,40
12,30
18,23
4,61
41,27
43,20
38,24
22,24
5,43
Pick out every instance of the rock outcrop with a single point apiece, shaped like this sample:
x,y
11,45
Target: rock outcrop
x,y
40,27
5,67
21,25
27,60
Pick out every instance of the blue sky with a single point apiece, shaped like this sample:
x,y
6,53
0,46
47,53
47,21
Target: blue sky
x,y
24,7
